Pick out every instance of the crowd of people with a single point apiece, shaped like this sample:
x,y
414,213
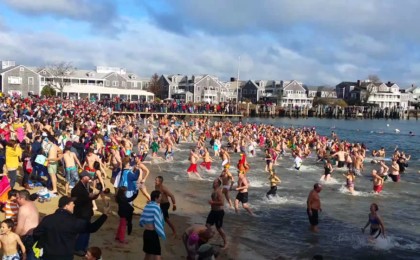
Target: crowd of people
x,y
83,141
170,106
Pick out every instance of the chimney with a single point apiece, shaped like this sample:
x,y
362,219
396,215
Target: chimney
x,y
358,83
232,79
7,64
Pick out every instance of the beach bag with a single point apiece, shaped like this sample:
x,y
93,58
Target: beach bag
x,y
117,180
41,159
28,165
4,189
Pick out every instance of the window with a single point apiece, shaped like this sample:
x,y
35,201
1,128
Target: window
x,y
115,83
22,69
123,84
255,91
139,85
30,81
108,83
14,80
197,99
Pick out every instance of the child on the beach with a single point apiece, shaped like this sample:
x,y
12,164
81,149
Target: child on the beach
x,y
11,207
125,211
9,241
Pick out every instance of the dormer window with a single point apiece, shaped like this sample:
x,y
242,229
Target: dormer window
x,y
89,74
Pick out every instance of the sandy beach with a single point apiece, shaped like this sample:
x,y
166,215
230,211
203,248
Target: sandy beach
x,y
172,248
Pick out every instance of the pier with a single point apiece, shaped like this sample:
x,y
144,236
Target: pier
x,y
179,114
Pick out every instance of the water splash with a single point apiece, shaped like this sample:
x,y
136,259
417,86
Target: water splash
x,y
343,189
330,181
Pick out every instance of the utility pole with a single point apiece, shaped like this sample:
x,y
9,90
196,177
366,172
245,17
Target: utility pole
x,y
237,86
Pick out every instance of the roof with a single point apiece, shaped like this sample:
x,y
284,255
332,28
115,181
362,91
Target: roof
x,y
347,83
93,75
8,68
92,89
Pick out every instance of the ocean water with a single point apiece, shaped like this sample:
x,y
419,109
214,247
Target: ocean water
x,y
280,228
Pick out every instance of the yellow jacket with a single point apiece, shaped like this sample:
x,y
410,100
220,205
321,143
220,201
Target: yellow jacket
x,y
12,157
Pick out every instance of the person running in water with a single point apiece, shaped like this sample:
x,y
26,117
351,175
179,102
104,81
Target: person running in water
x,y
227,182
328,169
206,160
350,180
273,184
376,224
242,195
378,182
193,166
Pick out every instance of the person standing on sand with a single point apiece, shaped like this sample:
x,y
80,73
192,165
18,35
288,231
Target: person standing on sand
x,y
55,154
164,201
313,206
83,208
71,162
28,219
10,241
242,195
57,233
217,213
153,223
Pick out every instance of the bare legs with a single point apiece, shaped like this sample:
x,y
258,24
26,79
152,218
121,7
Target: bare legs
x,y
244,205
53,177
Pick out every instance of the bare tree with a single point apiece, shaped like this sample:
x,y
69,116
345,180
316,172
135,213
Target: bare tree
x,y
154,85
369,89
374,78
59,71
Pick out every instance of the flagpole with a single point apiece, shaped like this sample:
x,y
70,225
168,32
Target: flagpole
x,y
237,85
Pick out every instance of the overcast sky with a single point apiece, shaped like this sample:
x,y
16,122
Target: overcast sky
x,y
314,41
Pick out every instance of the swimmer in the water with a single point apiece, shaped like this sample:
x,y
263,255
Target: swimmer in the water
x,y
376,224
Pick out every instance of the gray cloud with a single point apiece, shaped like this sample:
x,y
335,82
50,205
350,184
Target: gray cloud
x,y
237,16
145,49
3,25
102,15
